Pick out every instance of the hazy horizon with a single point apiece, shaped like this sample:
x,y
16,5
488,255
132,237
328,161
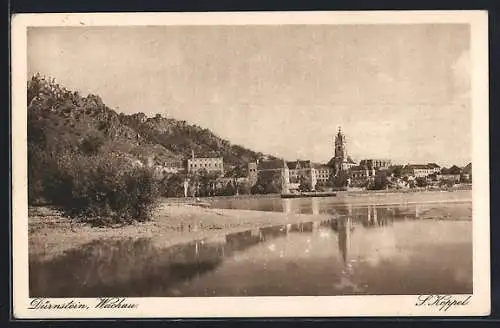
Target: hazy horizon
x,y
400,92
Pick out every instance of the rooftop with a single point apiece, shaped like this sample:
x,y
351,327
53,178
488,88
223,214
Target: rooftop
x,y
320,166
349,160
468,168
299,164
272,164
419,167
205,158
452,170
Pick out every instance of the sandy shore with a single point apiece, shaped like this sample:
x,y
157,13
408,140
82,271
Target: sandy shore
x,y
51,234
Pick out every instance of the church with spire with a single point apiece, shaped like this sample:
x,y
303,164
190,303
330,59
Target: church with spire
x,y
341,161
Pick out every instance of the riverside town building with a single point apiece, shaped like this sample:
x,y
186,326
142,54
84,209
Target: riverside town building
x,y
289,175
210,164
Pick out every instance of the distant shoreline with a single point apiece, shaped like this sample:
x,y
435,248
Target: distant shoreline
x,y
191,199
341,196
342,192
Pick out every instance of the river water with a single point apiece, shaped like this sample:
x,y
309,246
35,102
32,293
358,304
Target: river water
x,y
405,248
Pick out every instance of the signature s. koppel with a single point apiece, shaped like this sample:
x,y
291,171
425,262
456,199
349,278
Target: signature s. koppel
x,y
443,302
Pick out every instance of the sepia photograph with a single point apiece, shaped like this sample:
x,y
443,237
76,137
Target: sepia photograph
x,y
305,160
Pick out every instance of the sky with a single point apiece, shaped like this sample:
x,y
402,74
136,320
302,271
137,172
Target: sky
x,y
400,92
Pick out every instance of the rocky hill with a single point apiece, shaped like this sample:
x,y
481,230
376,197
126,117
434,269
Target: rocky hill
x,y
61,120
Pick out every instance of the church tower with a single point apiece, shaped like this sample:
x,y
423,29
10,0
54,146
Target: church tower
x,y
341,161
340,146
340,156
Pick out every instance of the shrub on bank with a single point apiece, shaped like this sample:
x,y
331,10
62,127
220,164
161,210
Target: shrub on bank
x,y
41,167
102,190
172,185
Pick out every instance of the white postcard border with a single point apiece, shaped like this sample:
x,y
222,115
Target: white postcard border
x,y
479,303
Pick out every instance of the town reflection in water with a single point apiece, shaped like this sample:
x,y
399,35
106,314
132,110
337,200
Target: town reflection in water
x,y
142,268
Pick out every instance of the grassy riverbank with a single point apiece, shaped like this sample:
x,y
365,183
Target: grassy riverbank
x,y
176,221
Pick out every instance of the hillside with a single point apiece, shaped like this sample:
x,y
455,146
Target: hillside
x,y
61,119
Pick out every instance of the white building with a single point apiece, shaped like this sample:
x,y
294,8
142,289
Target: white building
x,y
210,164
421,170
322,172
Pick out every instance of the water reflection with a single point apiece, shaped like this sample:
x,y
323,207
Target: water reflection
x,y
118,268
364,241
315,206
323,205
287,205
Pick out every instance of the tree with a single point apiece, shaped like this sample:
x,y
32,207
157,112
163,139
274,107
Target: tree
x,y
339,180
243,188
91,144
446,183
397,171
272,188
101,190
266,187
239,171
380,181
257,189
304,184
421,182
229,189
304,187
320,186
172,185
205,183
268,183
